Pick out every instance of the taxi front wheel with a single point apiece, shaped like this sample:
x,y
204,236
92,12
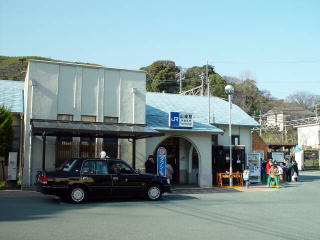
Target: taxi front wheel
x,y
154,192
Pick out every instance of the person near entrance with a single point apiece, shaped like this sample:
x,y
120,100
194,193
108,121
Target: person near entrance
x,y
169,171
150,165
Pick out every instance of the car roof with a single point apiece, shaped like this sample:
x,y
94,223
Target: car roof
x,y
93,159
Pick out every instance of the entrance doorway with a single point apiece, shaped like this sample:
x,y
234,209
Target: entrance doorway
x,y
184,159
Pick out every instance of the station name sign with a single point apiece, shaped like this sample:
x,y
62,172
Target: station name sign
x,y
180,120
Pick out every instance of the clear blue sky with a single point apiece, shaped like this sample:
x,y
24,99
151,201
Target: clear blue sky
x,y
278,41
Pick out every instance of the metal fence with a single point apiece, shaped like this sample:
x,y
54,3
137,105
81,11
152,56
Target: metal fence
x,y
66,150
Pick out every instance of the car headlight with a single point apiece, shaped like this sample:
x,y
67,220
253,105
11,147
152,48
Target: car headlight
x,y
168,180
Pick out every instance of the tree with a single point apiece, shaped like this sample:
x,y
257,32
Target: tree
x,y
306,99
193,76
217,85
161,76
247,96
6,131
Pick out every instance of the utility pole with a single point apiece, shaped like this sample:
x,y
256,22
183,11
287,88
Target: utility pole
x,y
260,120
202,87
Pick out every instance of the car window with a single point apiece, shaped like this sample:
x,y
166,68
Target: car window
x,y
101,167
88,167
125,169
68,165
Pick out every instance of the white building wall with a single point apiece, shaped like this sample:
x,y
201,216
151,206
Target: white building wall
x,y
202,142
244,133
308,136
61,88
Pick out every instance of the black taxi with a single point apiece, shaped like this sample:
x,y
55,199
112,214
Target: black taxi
x,y
80,178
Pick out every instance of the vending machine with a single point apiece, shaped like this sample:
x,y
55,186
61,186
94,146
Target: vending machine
x,y
254,164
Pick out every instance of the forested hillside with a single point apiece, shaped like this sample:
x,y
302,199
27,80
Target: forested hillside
x,y
14,68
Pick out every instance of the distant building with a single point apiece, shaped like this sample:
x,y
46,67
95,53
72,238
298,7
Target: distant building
x,y
275,118
309,135
11,96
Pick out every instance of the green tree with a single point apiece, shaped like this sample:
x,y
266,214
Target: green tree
x,y
6,131
192,77
161,76
217,85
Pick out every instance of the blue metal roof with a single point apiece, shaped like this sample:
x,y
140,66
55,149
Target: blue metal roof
x,y
158,106
11,95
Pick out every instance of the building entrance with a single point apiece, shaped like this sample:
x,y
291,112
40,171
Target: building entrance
x,y
184,159
221,160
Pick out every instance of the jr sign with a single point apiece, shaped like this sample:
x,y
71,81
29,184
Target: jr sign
x,y
161,161
180,120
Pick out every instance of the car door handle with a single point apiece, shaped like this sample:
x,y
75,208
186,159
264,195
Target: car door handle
x,y
115,178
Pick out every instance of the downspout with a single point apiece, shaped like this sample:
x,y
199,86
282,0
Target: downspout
x,y
134,91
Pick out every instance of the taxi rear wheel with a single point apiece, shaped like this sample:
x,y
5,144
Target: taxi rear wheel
x,y
78,194
154,192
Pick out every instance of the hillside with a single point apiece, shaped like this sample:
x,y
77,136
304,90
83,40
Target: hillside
x,y
14,68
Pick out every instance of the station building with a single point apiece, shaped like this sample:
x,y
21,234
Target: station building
x,y
76,110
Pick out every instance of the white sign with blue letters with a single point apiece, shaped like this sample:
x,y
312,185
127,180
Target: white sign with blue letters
x,y
180,120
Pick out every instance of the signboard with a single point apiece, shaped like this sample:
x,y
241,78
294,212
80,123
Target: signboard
x,y
12,166
297,148
180,120
277,156
311,159
254,164
161,161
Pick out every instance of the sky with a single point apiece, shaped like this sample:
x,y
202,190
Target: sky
x,y
276,41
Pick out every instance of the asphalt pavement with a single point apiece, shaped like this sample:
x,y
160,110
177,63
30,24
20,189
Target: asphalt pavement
x,y
291,212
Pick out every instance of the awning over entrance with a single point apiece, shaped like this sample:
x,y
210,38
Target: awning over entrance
x,y
46,127
91,129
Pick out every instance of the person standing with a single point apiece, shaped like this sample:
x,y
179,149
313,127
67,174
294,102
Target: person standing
x,y
268,166
289,169
280,169
273,175
263,171
169,171
295,171
246,176
150,165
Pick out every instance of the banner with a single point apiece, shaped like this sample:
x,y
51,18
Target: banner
x,y
161,161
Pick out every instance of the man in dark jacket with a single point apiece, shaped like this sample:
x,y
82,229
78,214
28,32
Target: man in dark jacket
x,y
150,165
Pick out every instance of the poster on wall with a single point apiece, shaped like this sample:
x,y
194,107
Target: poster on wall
x,y
161,161
254,164
277,156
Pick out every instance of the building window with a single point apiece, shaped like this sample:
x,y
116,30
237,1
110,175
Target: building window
x,y
110,120
235,139
215,140
87,118
66,117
